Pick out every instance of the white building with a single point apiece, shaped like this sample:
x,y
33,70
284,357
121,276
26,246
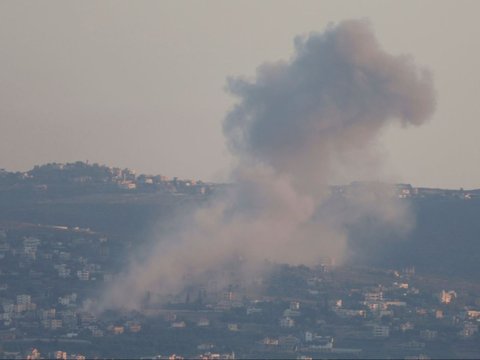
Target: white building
x,y
381,331
179,324
291,313
24,299
295,305
83,275
374,296
233,327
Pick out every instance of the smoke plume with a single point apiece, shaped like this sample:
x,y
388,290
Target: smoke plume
x,y
297,127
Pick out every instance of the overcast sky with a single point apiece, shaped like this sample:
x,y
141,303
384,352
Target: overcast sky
x,y
141,84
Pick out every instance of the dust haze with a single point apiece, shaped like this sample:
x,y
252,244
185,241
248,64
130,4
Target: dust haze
x,y
299,126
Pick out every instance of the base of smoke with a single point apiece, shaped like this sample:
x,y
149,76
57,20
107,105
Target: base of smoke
x,y
231,245
237,277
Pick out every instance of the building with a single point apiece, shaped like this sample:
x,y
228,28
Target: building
x,y
380,331
287,322
179,324
233,327
289,341
203,322
83,275
469,330
291,313
295,305
117,330
24,299
374,296
446,297
428,335
61,355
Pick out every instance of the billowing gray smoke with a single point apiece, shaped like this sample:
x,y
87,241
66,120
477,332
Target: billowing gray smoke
x,y
299,126
307,116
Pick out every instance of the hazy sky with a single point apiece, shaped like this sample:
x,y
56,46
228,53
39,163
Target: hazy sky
x,y
141,84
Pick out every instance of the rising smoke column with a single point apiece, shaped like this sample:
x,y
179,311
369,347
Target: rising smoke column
x,y
321,109
298,126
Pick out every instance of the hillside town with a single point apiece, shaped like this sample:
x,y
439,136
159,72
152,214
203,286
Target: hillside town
x,y
51,275
85,177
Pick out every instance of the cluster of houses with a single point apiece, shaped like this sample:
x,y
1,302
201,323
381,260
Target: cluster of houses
x,y
47,281
61,177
